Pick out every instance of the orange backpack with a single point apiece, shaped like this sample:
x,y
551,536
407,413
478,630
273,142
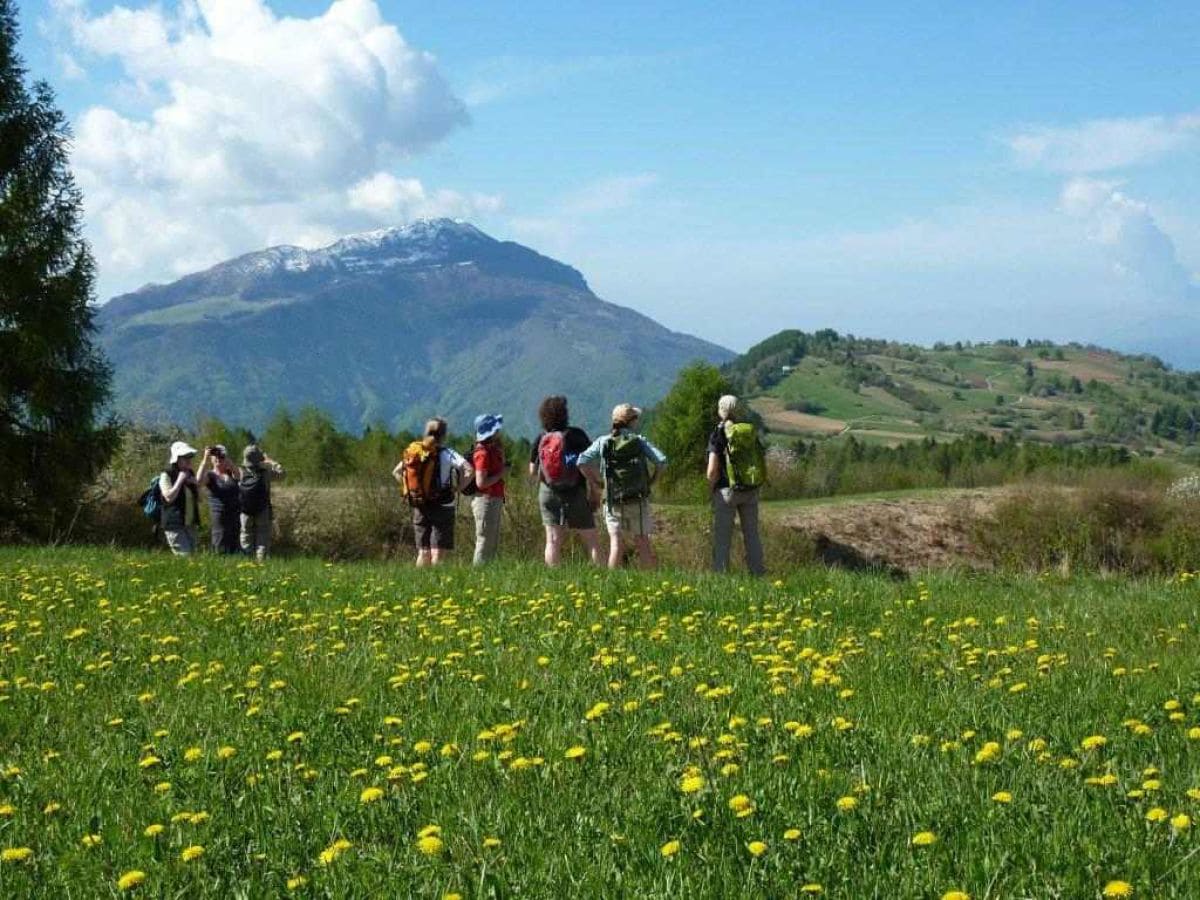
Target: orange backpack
x,y
421,463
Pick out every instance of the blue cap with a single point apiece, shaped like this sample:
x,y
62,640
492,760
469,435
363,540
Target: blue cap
x,y
487,425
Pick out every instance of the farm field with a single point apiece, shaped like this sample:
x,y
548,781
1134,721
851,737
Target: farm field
x,y
208,729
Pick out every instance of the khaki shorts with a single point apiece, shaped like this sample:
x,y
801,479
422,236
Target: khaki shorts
x,y
630,519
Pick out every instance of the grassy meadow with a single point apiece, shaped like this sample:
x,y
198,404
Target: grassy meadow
x,y
219,729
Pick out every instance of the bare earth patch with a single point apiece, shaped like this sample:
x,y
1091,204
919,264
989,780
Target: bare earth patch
x,y
779,418
904,534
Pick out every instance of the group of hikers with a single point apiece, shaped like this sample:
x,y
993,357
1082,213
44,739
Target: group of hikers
x,y
577,479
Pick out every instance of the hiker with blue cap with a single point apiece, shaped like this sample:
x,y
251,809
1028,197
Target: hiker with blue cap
x,y
488,502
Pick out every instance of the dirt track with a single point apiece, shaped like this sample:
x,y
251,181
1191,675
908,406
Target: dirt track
x,y
901,534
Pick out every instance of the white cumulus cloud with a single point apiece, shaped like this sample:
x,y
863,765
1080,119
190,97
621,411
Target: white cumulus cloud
x,y
1133,243
248,128
388,198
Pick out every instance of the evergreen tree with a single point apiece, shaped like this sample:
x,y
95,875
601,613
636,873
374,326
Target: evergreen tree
x,y
684,419
54,381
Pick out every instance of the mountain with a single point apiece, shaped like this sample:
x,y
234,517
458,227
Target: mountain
x,y
388,327
826,384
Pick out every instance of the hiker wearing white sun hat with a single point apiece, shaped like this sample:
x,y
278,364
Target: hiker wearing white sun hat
x,y
180,500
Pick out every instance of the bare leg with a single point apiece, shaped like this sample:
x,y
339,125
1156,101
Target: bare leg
x,y
554,538
591,540
422,558
615,546
437,557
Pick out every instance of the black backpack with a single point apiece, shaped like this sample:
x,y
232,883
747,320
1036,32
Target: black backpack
x,y
254,491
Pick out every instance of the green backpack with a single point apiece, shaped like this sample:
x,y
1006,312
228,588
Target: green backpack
x,y
626,475
745,463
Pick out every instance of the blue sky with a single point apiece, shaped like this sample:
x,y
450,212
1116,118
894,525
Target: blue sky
x,y
919,171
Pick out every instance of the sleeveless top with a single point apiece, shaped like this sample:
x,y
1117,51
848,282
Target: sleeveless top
x,y
222,494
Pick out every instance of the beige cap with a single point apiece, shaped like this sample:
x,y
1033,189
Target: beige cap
x,y
625,414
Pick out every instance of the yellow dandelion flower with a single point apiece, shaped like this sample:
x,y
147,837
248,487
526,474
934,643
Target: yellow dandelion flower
x,y
1093,742
330,854
1002,797
756,848
195,851
370,795
741,805
452,896
491,843
811,888
923,839
51,808
296,882
1156,814
847,804
669,849
154,829
192,754
792,834
690,784
1118,889
575,752
92,840
7,810
430,845
16,854
147,762
1181,822
295,737
226,752
131,879
956,895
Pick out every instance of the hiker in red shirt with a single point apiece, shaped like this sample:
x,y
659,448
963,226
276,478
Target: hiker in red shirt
x,y
488,502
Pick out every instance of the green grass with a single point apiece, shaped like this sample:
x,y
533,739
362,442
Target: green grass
x,y
327,680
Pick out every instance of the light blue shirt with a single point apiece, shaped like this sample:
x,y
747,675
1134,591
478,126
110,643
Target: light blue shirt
x,y
594,454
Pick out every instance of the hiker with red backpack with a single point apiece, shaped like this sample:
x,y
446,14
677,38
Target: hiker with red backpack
x,y
565,497
627,465
487,504
430,475
736,470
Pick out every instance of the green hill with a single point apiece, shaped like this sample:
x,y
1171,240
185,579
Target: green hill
x,y
826,384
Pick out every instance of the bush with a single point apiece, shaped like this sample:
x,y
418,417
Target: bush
x,y
1111,527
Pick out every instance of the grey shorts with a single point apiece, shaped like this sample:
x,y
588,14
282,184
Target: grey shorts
x,y
182,541
570,508
434,526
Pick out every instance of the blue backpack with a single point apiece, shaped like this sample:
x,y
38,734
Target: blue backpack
x,y
151,501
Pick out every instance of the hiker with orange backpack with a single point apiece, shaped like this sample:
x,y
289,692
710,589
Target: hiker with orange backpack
x,y
565,498
430,475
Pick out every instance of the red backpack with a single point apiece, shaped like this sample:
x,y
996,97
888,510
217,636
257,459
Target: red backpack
x,y
559,469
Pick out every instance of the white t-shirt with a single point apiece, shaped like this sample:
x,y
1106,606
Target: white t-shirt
x,y
454,468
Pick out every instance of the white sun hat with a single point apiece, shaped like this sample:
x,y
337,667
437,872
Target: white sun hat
x,y
181,448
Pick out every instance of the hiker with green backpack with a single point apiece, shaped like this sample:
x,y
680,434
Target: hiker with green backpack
x,y
737,468
627,465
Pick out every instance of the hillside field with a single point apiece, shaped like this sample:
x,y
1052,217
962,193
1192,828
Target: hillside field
x,y
212,729
825,385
